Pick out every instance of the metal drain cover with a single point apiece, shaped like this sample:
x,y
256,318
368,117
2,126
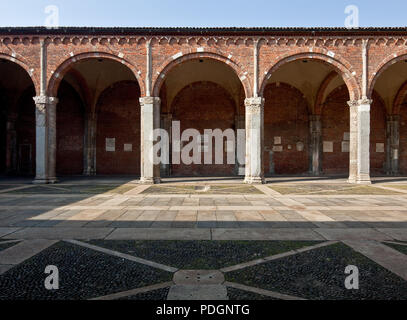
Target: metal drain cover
x,y
198,277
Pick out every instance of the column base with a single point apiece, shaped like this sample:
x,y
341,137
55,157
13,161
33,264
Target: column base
x,y
45,181
144,180
89,171
254,180
364,179
52,180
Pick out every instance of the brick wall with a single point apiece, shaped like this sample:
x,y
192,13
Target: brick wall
x,y
25,129
204,105
335,122
378,116
70,131
118,117
286,117
403,138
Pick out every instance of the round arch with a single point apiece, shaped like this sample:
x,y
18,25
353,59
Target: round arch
x,y
400,97
170,64
341,66
25,67
63,68
384,65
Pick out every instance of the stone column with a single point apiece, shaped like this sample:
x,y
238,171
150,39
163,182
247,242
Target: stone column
x,y
392,145
316,144
11,146
240,163
166,124
150,120
89,161
254,140
359,153
45,122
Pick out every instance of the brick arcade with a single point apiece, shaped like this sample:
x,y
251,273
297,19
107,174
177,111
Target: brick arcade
x,y
322,101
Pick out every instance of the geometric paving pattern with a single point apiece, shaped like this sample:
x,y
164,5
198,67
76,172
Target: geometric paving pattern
x,y
205,255
313,270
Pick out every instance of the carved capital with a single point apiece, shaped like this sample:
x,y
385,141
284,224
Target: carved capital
x,y
353,103
357,103
365,101
45,100
149,100
254,105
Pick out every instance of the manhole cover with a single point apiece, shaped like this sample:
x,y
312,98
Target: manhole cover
x,y
198,277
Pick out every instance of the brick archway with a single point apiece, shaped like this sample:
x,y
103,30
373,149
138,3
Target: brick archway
x,y
400,98
23,66
384,65
170,64
341,66
321,92
63,68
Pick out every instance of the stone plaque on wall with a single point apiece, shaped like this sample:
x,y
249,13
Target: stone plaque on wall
x,y
300,146
346,136
277,140
380,147
328,146
128,147
345,146
110,144
277,148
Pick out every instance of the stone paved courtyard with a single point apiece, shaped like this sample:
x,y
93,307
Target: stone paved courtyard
x,y
217,239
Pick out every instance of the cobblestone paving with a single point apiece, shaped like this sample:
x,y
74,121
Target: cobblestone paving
x,y
312,271
319,274
208,255
83,273
268,245
236,294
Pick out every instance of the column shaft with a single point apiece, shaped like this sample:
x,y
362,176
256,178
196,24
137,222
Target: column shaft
x,y
166,124
240,145
150,120
359,155
392,145
11,146
45,123
316,145
89,168
254,140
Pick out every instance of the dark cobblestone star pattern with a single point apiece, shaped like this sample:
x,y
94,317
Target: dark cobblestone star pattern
x,y
83,274
320,274
237,294
155,295
201,254
4,246
399,247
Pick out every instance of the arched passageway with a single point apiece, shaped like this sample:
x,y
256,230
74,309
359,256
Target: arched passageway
x,y
98,119
203,94
17,120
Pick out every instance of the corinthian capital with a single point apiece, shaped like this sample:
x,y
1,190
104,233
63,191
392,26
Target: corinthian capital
x,y
254,105
363,101
45,100
149,100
